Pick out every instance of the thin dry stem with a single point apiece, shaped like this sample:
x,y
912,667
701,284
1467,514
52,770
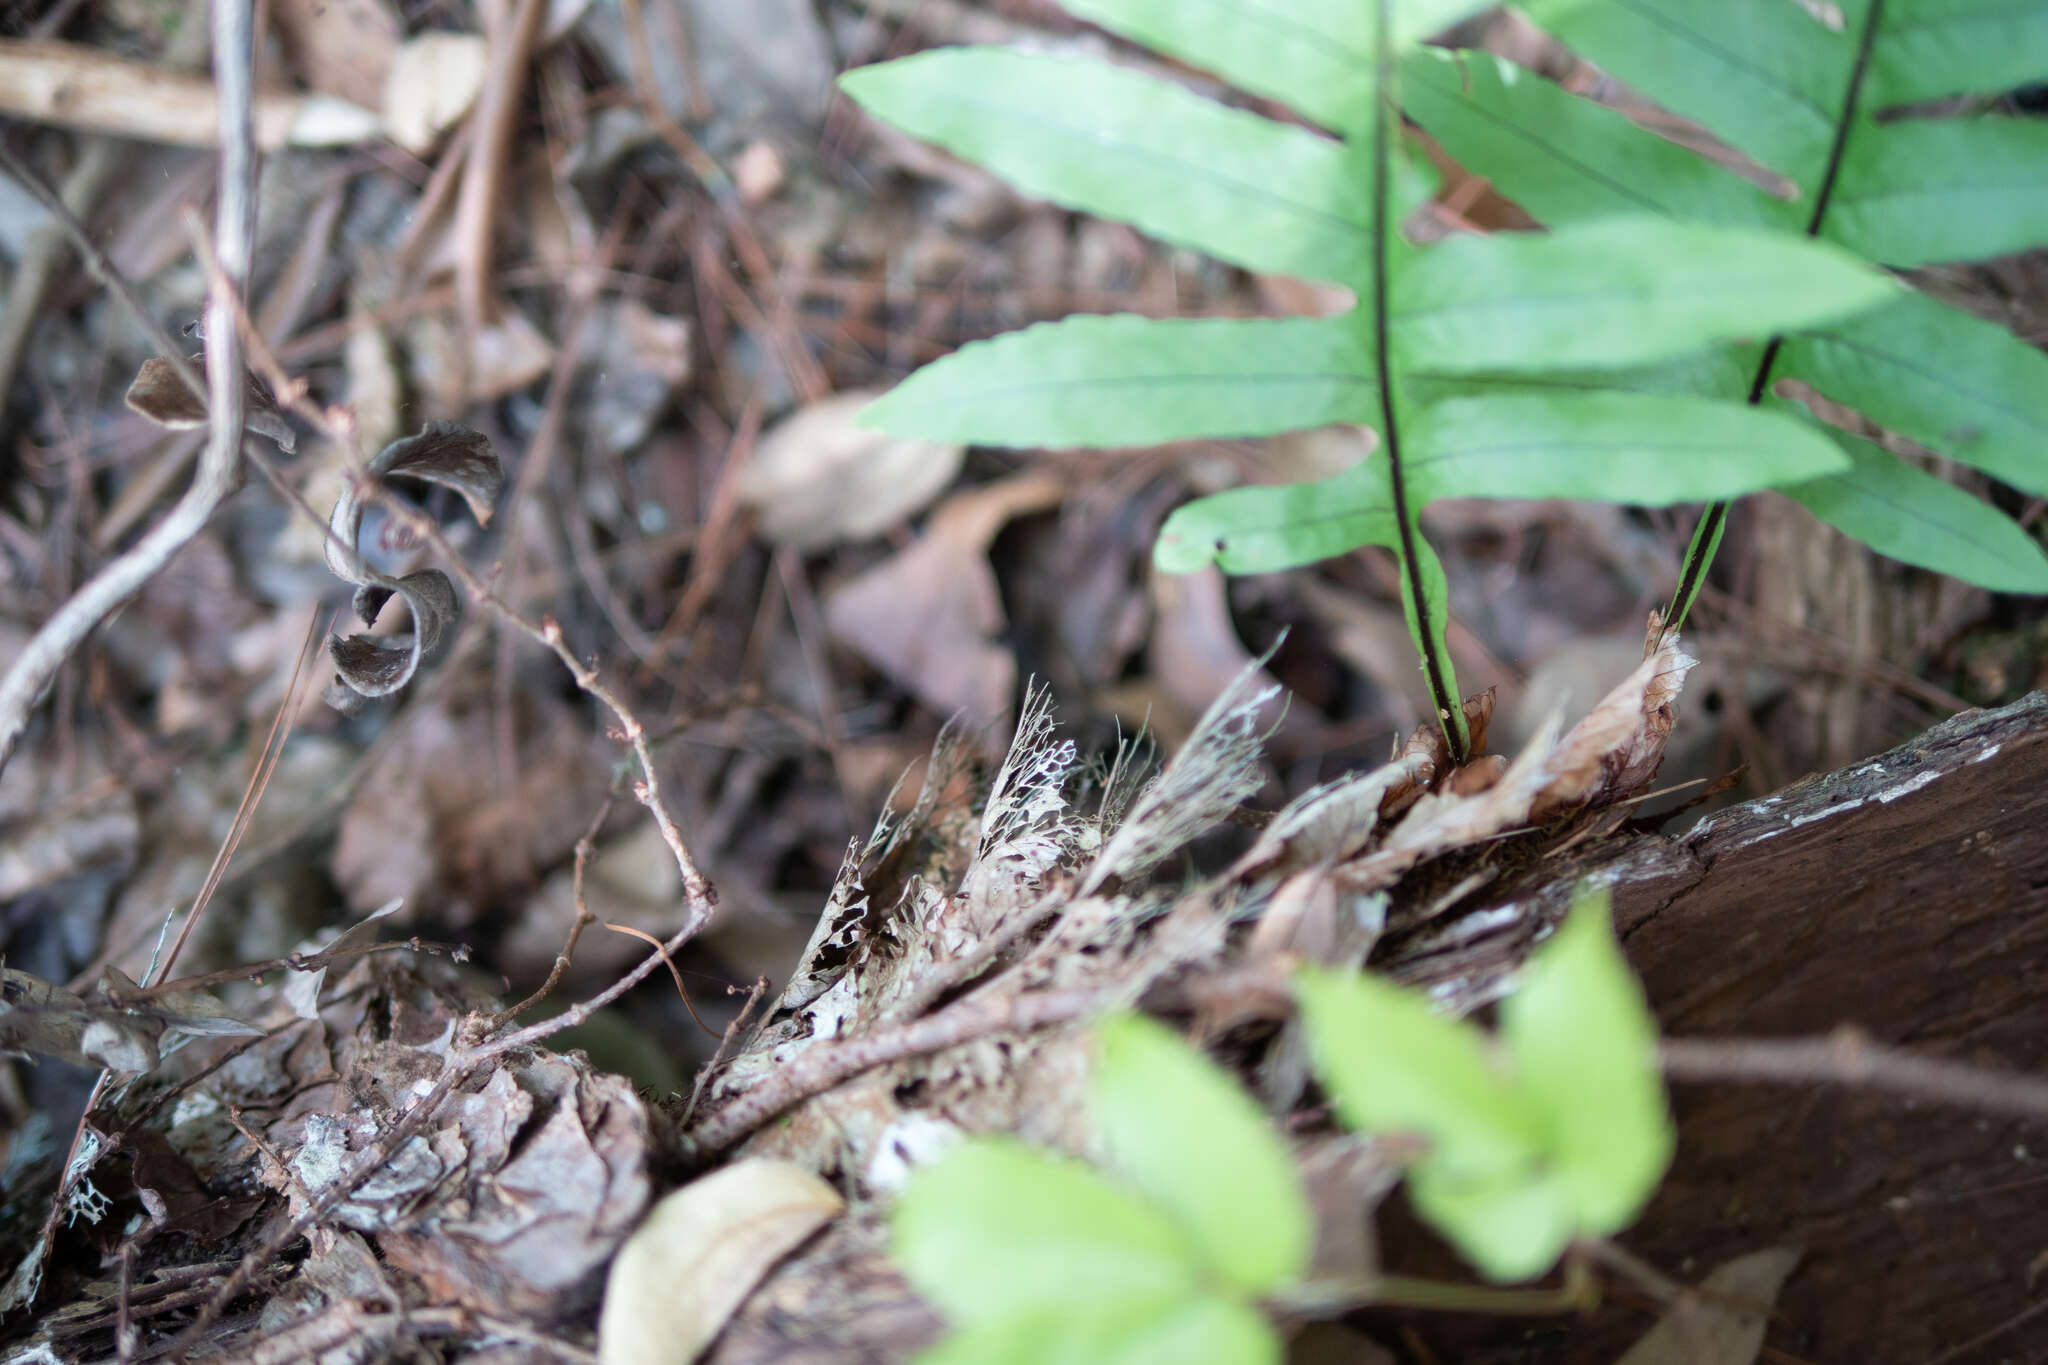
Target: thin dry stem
x,y
585,847
724,1048
1848,1057
826,1065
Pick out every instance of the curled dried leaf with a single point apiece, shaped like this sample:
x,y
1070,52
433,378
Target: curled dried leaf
x,y
444,453
161,396
699,1254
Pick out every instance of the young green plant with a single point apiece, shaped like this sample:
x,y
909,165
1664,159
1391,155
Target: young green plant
x,y
1557,1131
1518,366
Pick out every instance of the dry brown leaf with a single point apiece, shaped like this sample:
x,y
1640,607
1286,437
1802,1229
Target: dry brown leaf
x,y
817,477
927,616
162,397
687,1269
444,453
1615,751
339,47
1194,652
1724,1325
430,83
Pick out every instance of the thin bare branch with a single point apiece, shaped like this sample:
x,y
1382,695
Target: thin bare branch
x,y
1847,1057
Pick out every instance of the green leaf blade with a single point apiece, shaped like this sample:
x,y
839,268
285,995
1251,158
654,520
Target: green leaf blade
x,y
1313,55
1510,1229
1928,49
1584,1045
1127,146
1914,517
1954,383
1619,292
1764,76
1269,528
1567,159
1924,191
997,1228
1645,450
1189,1138
1194,1331
1392,1064
1121,380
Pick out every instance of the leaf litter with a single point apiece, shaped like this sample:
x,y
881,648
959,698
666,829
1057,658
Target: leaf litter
x,y
835,261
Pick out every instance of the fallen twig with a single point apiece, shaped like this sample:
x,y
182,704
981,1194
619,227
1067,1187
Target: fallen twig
x,y
1848,1057
83,87
828,1064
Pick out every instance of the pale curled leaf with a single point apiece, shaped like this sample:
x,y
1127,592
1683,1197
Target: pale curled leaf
x,y
161,396
698,1255
38,1017
1724,1325
819,477
443,453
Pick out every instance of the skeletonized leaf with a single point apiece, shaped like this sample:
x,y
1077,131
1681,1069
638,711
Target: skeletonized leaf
x,y
1189,1137
996,1229
1584,1046
699,1253
1912,516
1112,142
1954,383
1620,291
1643,449
444,453
1124,380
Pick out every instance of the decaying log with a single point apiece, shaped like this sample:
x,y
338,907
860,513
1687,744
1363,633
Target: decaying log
x,y
1906,895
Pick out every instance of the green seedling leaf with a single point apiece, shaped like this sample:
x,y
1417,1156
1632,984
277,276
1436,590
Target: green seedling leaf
x,y
1642,449
997,1229
1191,1331
1900,511
1512,1227
1623,291
1188,1137
1110,141
1394,1065
1584,1046
1123,380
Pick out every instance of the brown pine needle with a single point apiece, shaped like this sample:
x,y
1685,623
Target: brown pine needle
x,y
669,963
252,794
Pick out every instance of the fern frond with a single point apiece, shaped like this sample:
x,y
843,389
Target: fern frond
x,y
1819,105
1562,365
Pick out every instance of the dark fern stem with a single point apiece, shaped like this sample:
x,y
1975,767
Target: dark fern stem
x,y
1707,536
1443,696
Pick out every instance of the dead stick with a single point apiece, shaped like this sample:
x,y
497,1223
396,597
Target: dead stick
x,y
1848,1057
828,1064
